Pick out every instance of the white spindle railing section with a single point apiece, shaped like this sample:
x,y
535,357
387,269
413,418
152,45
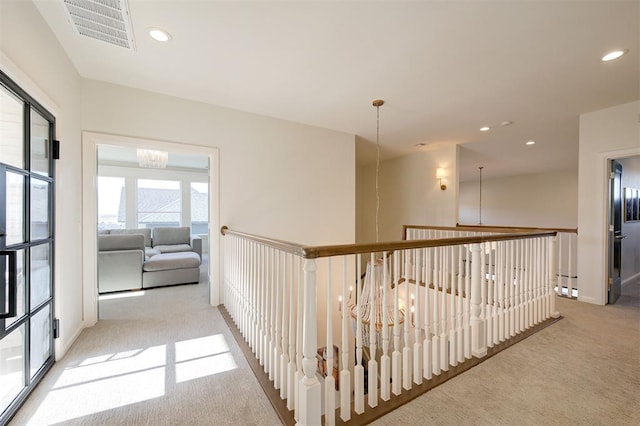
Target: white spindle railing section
x,y
424,307
566,247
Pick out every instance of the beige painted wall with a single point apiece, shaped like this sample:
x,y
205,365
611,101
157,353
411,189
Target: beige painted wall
x,y
277,178
606,134
545,200
409,194
631,230
31,56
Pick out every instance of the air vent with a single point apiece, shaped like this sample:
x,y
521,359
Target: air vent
x,y
104,20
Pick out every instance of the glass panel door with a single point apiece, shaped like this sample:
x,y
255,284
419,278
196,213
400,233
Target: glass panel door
x,y
26,245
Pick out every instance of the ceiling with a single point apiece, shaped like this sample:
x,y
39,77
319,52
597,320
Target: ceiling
x,y
444,68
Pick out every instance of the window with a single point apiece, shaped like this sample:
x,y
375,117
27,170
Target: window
x,y
159,203
111,203
199,208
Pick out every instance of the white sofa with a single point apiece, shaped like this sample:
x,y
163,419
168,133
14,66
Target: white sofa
x,y
130,259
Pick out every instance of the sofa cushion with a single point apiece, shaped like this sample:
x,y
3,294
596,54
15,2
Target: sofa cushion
x,y
120,242
149,252
163,236
174,248
165,261
144,231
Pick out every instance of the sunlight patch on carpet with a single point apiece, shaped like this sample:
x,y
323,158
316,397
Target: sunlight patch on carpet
x,y
201,357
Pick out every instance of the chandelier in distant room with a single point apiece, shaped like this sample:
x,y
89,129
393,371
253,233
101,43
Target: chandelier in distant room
x,y
151,158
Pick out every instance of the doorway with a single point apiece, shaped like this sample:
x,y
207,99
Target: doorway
x,y
27,212
91,143
141,189
615,233
628,238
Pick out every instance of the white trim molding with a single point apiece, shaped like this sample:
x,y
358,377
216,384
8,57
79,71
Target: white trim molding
x,y
90,142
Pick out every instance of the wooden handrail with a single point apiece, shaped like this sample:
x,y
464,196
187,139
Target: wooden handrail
x,y
314,252
285,246
485,228
567,230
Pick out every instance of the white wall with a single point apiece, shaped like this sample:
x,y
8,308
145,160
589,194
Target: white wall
x,y
631,230
544,200
277,178
31,56
606,134
410,194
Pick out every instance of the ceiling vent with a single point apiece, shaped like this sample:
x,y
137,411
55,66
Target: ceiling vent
x,y
104,20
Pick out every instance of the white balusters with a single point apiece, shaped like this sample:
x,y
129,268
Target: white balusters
x,y
396,361
436,367
427,364
502,279
345,375
520,327
511,331
444,337
293,320
385,361
478,343
453,339
553,269
569,267
329,381
459,308
372,365
491,302
358,371
262,303
417,321
559,282
530,277
284,356
467,304
310,390
474,297
277,289
406,350
299,349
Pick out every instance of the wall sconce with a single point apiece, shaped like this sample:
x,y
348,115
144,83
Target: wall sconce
x,y
441,174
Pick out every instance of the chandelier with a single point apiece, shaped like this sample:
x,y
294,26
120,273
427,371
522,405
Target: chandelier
x,y
373,294
375,308
151,158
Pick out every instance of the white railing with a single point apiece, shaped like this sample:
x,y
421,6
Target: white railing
x,y
424,306
566,250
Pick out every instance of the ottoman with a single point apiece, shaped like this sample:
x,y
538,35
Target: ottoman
x,y
170,269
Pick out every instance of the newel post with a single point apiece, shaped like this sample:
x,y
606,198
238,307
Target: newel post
x,y
553,275
310,389
478,339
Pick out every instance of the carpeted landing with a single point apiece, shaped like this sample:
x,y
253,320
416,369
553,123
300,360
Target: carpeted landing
x,y
158,357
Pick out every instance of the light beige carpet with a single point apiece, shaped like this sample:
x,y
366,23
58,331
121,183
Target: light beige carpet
x,y
162,358
583,370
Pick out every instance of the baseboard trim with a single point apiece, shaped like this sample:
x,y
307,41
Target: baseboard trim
x,y
62,350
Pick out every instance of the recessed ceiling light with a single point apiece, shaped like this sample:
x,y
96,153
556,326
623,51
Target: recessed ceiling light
x,y
421,144
613,55
506,123
530,143
159,34
485,128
